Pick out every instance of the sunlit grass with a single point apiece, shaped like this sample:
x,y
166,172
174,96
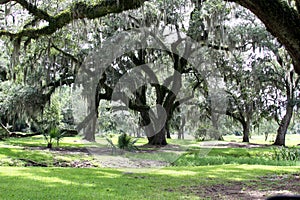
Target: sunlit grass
x,y
103,183
73,183
291,139
219,156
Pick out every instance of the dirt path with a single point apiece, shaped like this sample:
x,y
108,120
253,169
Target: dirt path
x,y
105,157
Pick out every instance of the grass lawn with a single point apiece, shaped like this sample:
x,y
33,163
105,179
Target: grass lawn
x,y
191,176
99,183
291,139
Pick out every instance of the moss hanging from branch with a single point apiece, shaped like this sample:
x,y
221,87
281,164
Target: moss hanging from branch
x,y
76,11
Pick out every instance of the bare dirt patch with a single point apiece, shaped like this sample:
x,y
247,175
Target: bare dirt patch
x,y
259,189
103,157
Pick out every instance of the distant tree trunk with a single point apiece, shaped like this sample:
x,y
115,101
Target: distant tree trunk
x,y
180,133
215,135
168,131
49,145
285,122
181,129
138,132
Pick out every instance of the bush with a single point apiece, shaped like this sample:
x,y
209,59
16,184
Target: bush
x,y
200,134
54,133
126,142
286,154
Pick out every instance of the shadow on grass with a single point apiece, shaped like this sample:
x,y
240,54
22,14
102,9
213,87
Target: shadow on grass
x,y
92,183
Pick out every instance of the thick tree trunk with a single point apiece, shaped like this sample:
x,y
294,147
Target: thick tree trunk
x,y
153,139
90,129
168,131
246,131
285,122
159,138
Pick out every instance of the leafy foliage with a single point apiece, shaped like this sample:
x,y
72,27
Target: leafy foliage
x,y
126,142
286,154
54,134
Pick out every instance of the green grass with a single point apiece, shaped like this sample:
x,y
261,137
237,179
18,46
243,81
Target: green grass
x,y
72,183
219,156
291,139
15,151
39,141
219,166
191,160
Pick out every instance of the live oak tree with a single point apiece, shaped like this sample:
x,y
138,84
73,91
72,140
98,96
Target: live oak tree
x,y
41,27
282,101
281,18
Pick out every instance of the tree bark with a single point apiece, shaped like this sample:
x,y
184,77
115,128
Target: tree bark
x,y
181,129
153,139
215,135
168,131
285,122
159,138
246,131
90,129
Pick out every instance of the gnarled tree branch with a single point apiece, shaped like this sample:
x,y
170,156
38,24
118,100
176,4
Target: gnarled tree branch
x,y
76,11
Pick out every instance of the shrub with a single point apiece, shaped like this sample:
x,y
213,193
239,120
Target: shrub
x,y
200,134
54,133
126,142
286,154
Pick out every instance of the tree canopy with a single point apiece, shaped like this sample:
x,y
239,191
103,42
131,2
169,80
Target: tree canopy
x,y
48,45
281,18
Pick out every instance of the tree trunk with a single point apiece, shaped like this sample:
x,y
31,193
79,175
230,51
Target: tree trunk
x,y
90,129
159,138
246,131
215,134
181,129
181,134
153,139
49,145
168,131
284,124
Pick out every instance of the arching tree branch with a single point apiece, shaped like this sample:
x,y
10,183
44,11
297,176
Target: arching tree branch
x,y
281,20
76,11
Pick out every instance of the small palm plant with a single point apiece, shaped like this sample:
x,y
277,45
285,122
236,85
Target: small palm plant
x,y
126,142
53,134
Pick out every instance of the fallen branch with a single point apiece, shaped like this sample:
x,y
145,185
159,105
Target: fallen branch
x,y
5,129
22,135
